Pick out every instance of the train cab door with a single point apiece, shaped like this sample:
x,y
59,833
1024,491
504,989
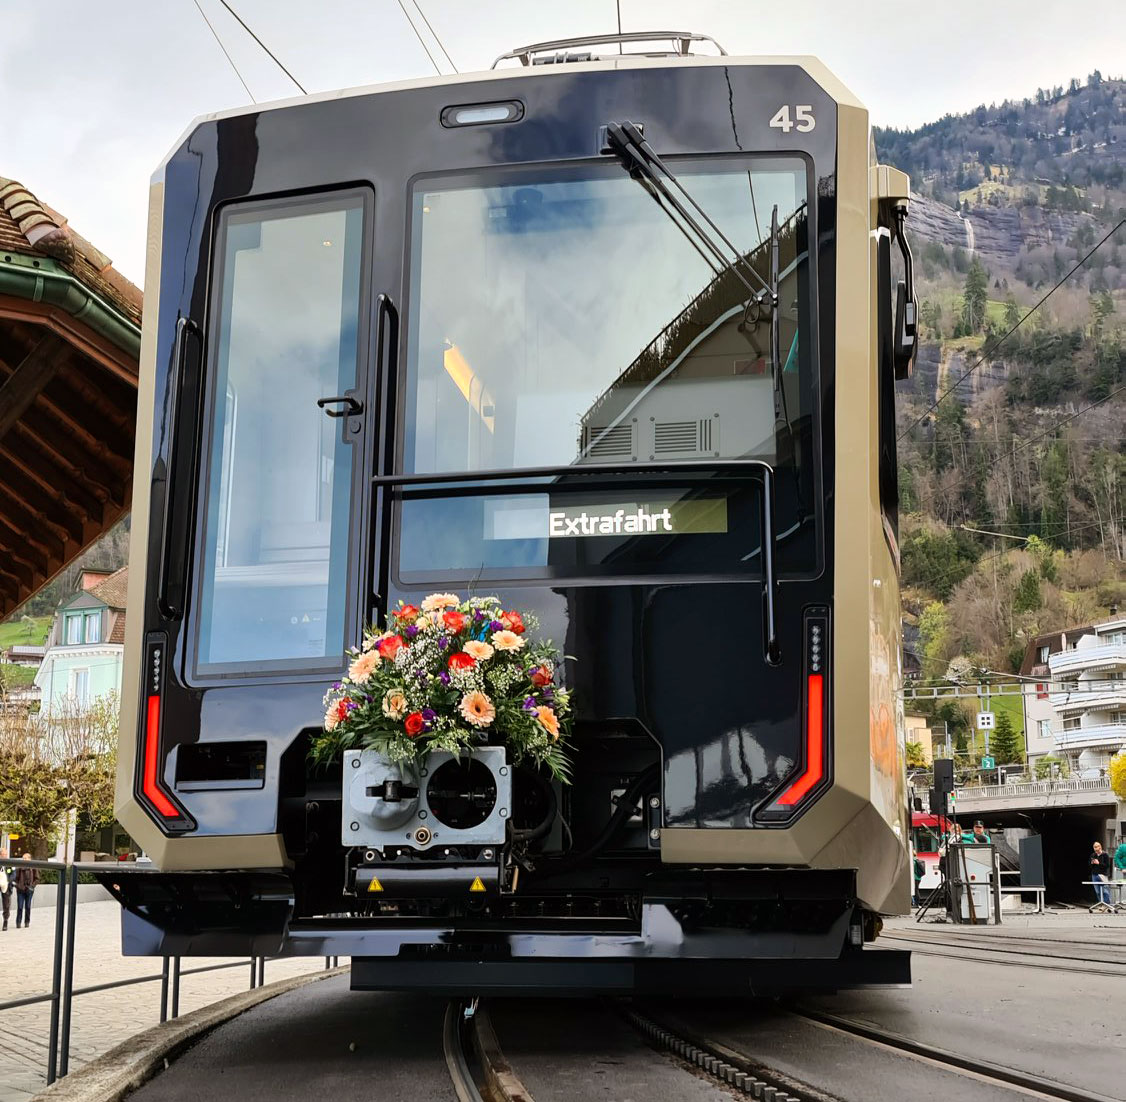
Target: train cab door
x,y
286,407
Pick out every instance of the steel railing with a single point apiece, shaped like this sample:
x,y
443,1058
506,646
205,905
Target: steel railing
x,y
63,992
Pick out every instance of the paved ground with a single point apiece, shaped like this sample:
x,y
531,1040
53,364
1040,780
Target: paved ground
x,y
102,1019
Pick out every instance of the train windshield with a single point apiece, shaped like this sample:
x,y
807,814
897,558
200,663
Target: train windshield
x,y
563,317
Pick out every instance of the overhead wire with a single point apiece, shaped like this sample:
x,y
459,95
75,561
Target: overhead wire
x,y
230,59
273,57
987,352
421,40
434,33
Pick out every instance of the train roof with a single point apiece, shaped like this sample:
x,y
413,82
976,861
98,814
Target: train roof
x,y
812,66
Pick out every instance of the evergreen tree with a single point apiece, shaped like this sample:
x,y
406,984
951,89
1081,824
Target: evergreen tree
x,y
1027,597
974,297
1004,743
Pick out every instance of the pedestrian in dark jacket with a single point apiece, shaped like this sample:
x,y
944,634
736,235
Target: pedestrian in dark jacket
x,y
7,885
1100,871
26,879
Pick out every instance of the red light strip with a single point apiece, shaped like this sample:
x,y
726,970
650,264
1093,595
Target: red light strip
x,y
152,745
814,743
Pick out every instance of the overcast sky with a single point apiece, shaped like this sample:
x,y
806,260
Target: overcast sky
x,y
93,93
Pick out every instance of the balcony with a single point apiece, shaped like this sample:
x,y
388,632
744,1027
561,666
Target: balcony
x,y
1101,697
1103,736
1107,657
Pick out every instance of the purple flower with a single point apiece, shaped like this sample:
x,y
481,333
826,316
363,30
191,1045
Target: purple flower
x,y
428,714
420,674
350,705
478,615
529,704
547,693
496,625
411,631
336,684
443,642
444,677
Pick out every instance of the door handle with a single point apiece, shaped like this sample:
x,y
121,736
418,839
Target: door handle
x,y
352,406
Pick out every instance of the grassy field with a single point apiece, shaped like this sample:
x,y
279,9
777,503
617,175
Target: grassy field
x,y
33,634
16,677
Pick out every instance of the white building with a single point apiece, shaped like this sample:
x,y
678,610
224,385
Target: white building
x,y
1088,696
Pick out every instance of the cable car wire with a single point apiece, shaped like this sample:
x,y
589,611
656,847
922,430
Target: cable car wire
x,y
421,40
268,51
215,33
997,344
433,32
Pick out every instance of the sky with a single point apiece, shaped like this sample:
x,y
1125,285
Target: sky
x,y
94,93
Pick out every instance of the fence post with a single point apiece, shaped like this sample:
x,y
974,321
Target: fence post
x,y
253,972
164,990
175,987
68,979
56,981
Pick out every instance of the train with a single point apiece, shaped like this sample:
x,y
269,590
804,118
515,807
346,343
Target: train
x,y
435,336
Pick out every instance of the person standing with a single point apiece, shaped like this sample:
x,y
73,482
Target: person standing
x,y
6,885
1100,873
1120,860
26,880
978,837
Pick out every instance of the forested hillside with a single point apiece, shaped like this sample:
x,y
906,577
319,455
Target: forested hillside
x,y
1013,422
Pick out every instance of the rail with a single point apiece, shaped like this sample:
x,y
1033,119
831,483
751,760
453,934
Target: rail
x,y
63,992
1036,788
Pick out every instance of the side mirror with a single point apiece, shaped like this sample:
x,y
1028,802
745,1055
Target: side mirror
x,y
906,340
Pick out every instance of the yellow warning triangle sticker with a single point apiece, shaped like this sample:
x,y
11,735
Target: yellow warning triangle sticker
x,y
477,885
375,885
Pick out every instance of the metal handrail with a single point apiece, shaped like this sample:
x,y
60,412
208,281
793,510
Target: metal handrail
x,y
63,991
528,476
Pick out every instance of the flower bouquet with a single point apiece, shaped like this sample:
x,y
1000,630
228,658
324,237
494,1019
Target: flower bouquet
x,y
450,675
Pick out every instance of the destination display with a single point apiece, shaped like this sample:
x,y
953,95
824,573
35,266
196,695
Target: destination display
x,y
507,519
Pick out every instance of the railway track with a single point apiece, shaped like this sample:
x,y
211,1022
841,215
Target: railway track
x,y
1023,952
751,1073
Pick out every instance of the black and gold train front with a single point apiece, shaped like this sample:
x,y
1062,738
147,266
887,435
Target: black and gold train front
x,y
454,335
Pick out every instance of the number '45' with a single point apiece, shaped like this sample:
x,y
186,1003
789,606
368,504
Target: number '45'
x,y
802,118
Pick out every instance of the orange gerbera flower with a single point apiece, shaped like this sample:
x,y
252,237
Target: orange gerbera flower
x,y
548,720
476,708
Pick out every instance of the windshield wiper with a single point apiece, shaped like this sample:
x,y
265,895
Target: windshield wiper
x,y
638,157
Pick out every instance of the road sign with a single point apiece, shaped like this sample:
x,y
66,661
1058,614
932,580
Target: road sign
x,y
988,762
986,721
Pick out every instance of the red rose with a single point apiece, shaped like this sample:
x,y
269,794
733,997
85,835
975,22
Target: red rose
x,y
541,676
461,661
342,710
513,621
414,724
453,620
407,612
390,646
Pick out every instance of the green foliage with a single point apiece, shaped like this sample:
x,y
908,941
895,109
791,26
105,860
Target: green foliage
x,y
1050,765
1027,597
934,634
916,759
1004,743
975,294
936,559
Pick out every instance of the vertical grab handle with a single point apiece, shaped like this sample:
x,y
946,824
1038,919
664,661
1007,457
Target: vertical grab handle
x,y
769,582
386,360
170,574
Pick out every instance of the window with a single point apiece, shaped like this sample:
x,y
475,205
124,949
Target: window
x,y
605,338
1043,653
1118,717
1071,723
79,686
284,331
93,625
73,627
